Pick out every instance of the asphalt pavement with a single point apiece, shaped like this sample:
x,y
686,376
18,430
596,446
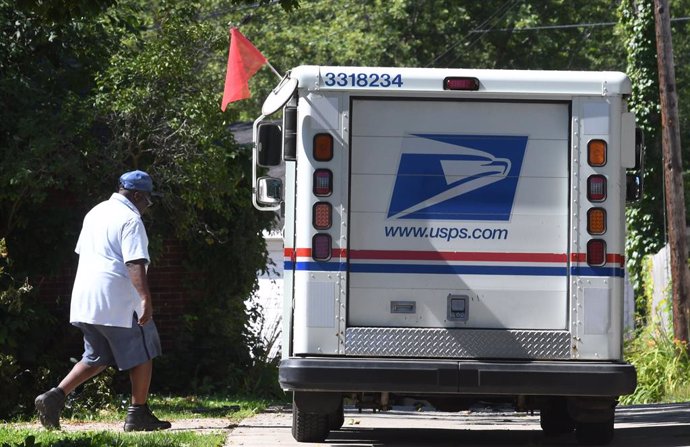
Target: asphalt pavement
x,y
643,425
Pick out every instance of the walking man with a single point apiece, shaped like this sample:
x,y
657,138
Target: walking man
x,y
111,303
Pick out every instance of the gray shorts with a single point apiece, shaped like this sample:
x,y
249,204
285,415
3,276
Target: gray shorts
x,y
121,346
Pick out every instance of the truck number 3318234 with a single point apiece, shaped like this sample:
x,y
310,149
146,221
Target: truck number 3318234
x,y
382,80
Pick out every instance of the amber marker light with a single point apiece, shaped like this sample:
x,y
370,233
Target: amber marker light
x,y
323,147
596,221
596,152
322,213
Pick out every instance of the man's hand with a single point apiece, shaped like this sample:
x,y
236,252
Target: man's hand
x,y
137,274
148,312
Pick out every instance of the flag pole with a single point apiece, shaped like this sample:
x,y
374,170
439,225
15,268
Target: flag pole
x,y
274,70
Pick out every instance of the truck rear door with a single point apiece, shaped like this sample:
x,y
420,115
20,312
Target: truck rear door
x,y
458,227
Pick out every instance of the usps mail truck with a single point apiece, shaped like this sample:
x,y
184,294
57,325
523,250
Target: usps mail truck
x,y
452,236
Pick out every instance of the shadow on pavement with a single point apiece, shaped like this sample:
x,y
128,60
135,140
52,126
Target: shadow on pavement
x,y
668,436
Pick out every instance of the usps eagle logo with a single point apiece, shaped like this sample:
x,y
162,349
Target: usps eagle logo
x,y
457,177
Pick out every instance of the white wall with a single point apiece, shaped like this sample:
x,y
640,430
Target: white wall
x,y
270,295
661,279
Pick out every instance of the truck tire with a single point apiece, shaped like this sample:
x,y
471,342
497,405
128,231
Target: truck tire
x,y
337,418
555,419
594,433
309,427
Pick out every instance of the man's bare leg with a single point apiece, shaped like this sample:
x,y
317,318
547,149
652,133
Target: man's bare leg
x,y
50,403
140,376
81,372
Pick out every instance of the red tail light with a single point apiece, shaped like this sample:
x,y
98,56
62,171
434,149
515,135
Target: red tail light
x,y
321,247
596,252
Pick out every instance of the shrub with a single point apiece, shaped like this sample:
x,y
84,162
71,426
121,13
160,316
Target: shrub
x,y
25,331
662,363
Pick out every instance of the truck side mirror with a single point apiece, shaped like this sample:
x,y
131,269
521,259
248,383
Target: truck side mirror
x,y
269,144
269,191
634,177
633,187
639,149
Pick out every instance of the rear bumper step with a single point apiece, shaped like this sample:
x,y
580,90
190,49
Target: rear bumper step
x,y
562,378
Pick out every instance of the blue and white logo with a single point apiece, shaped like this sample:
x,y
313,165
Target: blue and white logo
x,y
465,177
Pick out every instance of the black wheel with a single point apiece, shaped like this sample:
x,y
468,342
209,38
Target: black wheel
x,y
309,427
337,418
594,433
555,419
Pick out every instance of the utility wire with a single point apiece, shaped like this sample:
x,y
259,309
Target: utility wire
x,y
550,27
501,10
481,36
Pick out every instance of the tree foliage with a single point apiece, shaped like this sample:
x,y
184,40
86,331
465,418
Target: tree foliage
x,y
645,219
158,98
46,77
96,90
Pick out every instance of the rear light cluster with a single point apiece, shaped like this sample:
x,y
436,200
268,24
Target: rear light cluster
x,y
322,212
596,193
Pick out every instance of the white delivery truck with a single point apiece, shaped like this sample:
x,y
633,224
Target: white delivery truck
x,y
452,236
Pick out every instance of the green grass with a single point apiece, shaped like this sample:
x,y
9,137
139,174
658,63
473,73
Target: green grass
x,y
178,407
679,393
172,408
10,437
235,409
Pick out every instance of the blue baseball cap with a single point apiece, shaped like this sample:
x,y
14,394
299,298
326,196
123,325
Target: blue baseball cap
x,y
137,181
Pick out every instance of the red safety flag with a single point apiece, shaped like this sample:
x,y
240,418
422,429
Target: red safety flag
x,y
243,61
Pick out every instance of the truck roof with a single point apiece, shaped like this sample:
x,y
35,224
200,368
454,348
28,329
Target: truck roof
x,y
532,82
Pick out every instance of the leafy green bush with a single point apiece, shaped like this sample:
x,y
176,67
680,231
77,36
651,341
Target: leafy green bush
x,y
662,363
25,328
645,219
98,92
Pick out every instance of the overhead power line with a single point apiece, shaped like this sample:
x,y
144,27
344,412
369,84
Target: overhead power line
x,y
495,17
550,27
479,32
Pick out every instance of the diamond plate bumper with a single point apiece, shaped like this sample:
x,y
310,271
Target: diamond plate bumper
x,y
555,378
457,344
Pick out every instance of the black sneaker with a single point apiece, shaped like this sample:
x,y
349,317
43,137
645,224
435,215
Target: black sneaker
x,y
49,406
140,418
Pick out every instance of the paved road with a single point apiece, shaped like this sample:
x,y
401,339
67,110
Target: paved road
x,y
648,425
